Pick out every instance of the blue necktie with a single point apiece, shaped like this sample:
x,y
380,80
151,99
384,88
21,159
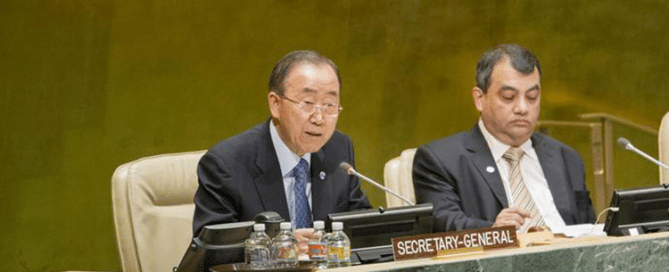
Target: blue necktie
x,y
302,211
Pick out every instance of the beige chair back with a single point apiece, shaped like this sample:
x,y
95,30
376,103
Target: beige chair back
x,y
152,201
663,144
397,176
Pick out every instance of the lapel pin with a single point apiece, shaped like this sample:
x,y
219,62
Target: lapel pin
x,y
322,175
490,169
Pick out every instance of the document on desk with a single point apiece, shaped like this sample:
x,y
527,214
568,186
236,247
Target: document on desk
x,y
582,230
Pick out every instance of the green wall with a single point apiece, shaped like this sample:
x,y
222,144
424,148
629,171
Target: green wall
x,y
86,85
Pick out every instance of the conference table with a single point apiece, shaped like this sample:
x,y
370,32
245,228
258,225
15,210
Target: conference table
x,y
647,252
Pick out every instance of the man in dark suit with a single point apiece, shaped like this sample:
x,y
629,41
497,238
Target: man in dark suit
x,y
289,164
500,172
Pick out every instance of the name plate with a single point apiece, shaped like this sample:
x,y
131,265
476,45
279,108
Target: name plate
x,y
451,243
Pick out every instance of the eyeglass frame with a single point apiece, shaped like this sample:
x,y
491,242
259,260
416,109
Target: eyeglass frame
x,y
314,105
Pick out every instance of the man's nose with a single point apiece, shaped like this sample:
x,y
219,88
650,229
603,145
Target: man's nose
x,y
521,106
317,117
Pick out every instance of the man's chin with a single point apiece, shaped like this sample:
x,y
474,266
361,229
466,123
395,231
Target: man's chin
x,y
314,144
521,138
313,148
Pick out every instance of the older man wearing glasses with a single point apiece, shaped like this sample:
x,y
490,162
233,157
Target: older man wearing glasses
x,y
289,163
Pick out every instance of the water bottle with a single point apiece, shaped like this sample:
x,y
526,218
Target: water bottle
x,y
256,248
284,247
339,247
317,246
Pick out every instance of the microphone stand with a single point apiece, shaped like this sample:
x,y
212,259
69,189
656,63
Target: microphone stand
x,y
352,171
628,146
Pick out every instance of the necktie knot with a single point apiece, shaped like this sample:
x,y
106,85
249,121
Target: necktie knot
x,y
301,169
513,154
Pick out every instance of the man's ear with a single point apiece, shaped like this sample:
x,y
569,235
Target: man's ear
x,y
274,102
478,96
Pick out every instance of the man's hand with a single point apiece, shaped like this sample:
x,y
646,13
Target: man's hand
x,y
513,216
303,236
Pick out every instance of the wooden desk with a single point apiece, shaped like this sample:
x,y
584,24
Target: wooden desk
x,y
649,252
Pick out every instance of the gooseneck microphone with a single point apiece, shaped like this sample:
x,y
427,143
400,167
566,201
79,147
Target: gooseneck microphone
x,y
625,144
351,171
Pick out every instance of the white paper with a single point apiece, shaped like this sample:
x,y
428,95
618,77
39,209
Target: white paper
x,y
582,230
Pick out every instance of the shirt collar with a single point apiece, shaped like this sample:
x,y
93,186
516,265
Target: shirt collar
x,y
287,159
498,148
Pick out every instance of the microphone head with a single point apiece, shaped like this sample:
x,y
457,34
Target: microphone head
x,y
624,143
347,168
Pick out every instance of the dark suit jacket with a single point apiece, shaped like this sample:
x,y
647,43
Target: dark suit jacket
x,y
451,174
241,177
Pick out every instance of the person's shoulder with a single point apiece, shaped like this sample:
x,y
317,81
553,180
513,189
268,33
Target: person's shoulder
x,y
448,143
543,139
338,138
242,143
338,147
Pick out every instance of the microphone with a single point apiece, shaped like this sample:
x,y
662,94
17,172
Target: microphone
x,y
351,171
625,144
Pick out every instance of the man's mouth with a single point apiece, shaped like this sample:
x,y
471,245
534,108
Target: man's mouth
x,y
314,134
520,122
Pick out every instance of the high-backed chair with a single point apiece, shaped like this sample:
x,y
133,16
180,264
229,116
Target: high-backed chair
x,y
397,177
663,144
152,201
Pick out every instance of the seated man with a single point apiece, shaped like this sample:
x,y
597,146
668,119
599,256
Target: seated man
x,y
500,172
288,164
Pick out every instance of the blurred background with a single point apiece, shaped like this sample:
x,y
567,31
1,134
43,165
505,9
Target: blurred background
x,y
87,85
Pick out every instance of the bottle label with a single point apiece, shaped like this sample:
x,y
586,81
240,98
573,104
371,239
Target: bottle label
x,y
287,253
317,251
257,254
339,252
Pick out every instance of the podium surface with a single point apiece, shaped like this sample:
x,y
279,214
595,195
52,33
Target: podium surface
x,y
648,252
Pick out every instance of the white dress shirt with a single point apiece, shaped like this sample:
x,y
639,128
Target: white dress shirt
x,y
288,160
533,176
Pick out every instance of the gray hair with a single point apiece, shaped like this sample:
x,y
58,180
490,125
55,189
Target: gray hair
x,y
292,59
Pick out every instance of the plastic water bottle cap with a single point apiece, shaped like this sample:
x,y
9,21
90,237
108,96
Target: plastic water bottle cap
x,y
259,227
285,225
337,226
319,224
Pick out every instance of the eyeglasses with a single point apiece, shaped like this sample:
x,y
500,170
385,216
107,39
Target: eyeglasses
x,y
327,109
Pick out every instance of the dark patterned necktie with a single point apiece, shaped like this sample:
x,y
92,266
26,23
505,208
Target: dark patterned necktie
x,y
302,210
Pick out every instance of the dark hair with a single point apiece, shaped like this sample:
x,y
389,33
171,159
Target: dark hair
x,y
292,59
521,59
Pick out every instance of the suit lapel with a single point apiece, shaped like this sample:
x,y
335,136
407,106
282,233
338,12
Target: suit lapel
x,y
320,187
269,181
552,166
483,161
